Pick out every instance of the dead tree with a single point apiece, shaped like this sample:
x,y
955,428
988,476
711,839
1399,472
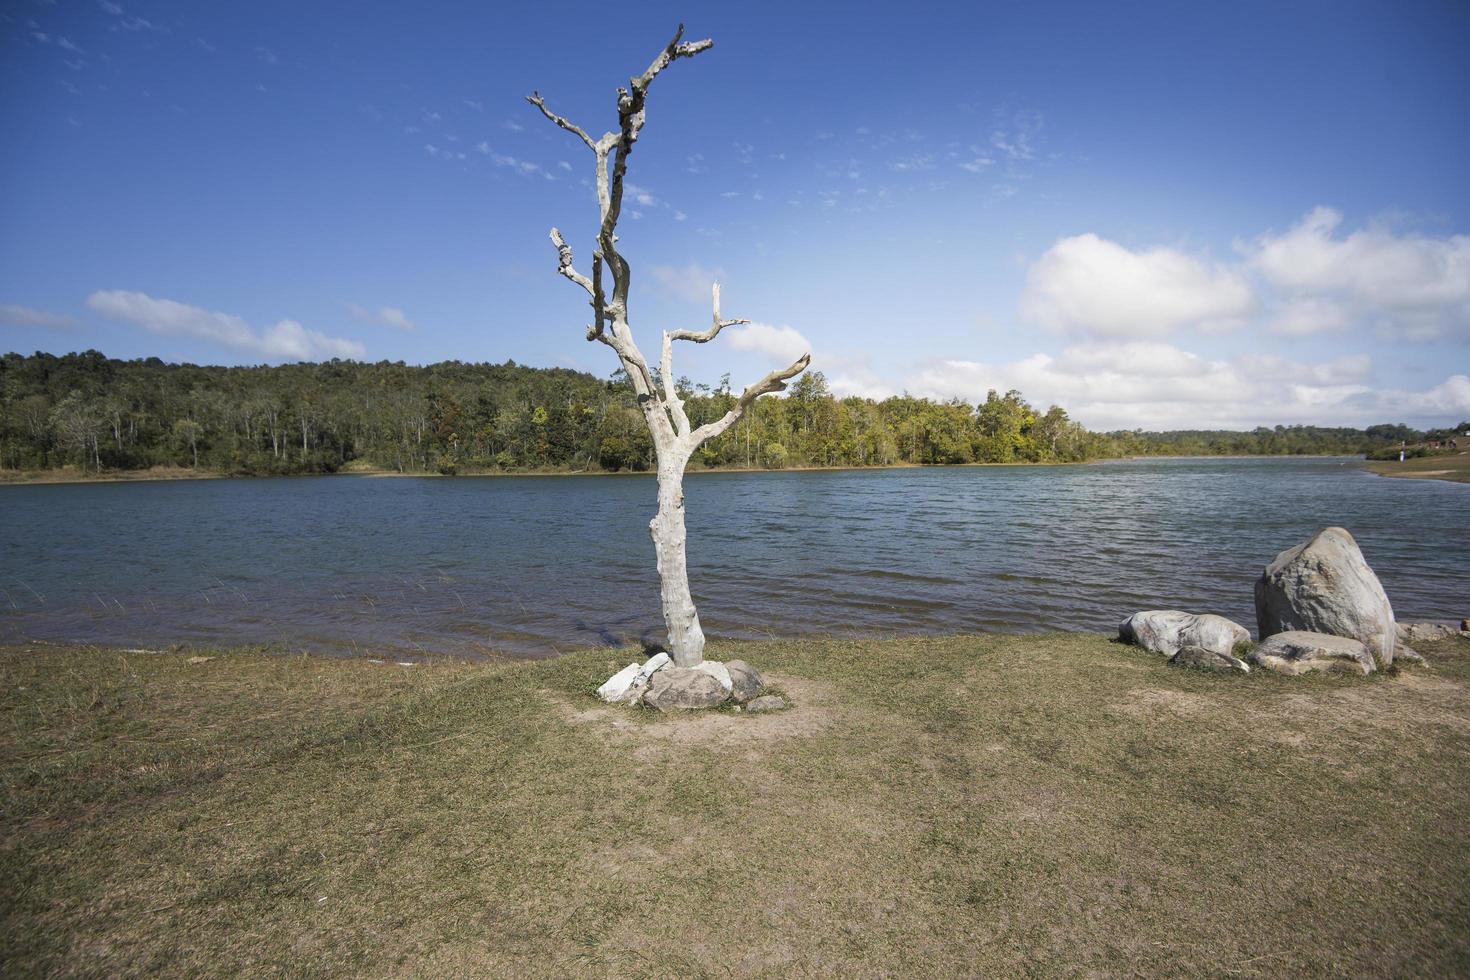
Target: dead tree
x,y
673,439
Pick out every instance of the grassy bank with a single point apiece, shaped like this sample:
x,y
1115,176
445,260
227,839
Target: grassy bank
x,y
1450,467
976,805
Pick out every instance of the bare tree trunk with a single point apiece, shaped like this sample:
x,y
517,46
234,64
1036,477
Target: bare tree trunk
x,y
686,638
674,438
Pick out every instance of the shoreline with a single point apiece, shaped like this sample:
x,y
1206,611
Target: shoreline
x,y
65,475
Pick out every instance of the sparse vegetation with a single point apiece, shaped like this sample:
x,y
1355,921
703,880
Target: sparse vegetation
x,y
1042,805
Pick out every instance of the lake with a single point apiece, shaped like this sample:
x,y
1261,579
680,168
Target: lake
x,y
530,566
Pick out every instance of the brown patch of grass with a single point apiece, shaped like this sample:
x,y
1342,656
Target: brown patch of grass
x,y
970,805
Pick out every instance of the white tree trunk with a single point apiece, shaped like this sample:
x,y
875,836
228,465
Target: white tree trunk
x,y
674,439
686,638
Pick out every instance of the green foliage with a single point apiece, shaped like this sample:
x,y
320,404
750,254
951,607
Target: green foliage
x,y
96,413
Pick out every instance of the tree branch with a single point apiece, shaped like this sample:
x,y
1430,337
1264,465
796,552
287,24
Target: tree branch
x,y
775,381
564,264
536,100
672,401
705,336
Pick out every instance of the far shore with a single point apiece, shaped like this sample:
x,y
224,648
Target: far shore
x,y
74,475
1454,469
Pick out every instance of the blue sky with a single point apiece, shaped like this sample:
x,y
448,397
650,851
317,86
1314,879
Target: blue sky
x,y
1157,215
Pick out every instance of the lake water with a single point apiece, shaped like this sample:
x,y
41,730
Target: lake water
x,y
531,566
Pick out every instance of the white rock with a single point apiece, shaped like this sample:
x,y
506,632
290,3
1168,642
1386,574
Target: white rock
x,y
630,682
619,685
1167,631
719,672
656,662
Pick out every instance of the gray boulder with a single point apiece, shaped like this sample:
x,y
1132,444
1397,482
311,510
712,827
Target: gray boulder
x,y
1166,631
1423,633
1326,586
746,680
1298,651
766,702
1201,659
684,688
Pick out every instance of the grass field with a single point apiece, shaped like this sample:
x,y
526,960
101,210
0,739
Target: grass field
x,y
1455,468
993,806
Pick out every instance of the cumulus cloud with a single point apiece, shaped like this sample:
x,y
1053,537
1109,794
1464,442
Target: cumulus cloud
x,y
1090,285
12,315
1409,284
691,283
784,344
286,340
1153,385
384,316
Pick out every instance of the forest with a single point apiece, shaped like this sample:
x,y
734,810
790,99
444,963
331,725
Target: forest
x,y
88,411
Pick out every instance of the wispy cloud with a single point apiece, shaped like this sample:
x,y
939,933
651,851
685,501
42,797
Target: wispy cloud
x,y
691,282
12,315
384,316
285,340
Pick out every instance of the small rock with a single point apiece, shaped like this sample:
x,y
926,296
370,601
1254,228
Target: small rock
x,y
684,688
1425,632
1465,626
1408,656
1167,630
1299,651
747,681
1201,659
199,660
766,702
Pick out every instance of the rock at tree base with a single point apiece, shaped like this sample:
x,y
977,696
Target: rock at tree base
x,y
1407,657
1326,586
684,688
718,671
1298,651
747,681
1201,659
630,682
766,702
1167,630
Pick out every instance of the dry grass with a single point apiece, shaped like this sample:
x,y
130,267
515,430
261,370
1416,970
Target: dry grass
x,y
931,807
1455,468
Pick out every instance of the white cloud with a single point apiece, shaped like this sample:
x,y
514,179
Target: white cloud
x,y
691,283
385,316
286,340
784,344
1409,284
12,315
1092,285
1153,385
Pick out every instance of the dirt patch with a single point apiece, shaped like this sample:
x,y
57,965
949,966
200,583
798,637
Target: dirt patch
x,y
1145,702
814,709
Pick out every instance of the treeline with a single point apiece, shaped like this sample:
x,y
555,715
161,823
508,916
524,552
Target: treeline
x,y
90,411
